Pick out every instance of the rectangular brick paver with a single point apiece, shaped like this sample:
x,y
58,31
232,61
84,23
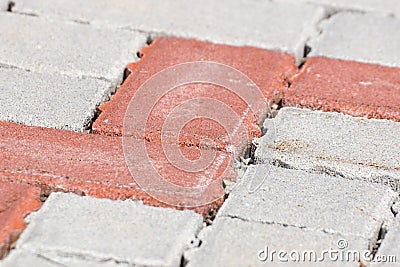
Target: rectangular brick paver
x,y
94,165
50,99
283,26
22,258
355,88
234,242
166,52
313,201
371,38
333,143
94,231
51,46
385,7
16,201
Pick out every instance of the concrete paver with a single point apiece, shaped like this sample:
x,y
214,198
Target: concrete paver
x,y
312,201
354,88
40,45
16,201
385,7
50,100
255,23
234,242
97,230
23,258
333,143
371,38
94,165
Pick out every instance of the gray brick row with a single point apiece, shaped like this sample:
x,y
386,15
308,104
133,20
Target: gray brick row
x,y
276,209
266,24
54,73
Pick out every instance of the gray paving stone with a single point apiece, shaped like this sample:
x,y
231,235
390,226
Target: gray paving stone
x,y
22,258
333,143
370,38
385,7
389,252
312,201
47,46
99,230
49,100
263,24
234,242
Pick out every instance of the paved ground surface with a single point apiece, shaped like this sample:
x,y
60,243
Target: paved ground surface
x,y
284,151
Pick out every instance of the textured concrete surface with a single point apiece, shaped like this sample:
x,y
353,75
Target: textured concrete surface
x,y
49,100
384,7
311,201
95,230
95,165
16,201
354,88
162,54
40,45
234,242
255,23
370,38
333,143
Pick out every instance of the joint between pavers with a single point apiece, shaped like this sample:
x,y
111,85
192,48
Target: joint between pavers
x,y
305,48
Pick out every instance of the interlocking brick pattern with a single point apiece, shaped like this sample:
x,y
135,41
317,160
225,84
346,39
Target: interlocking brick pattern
x,y
316,169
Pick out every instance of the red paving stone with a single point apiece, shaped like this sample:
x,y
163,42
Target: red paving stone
x,y
94,165
166,52
354,88
16,201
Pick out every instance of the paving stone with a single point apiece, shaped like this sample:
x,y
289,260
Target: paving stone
x,y
47,46
95,165
166,52
312,201
234,242
385,7
115,231
354,88
23,258
254,23
16,201
333,143
50,100
371,38
389,251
